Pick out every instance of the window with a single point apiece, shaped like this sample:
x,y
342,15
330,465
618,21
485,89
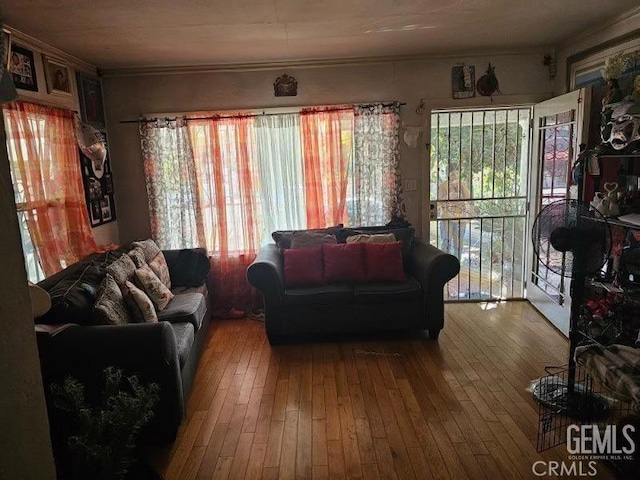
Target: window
x,y
259,173
49,195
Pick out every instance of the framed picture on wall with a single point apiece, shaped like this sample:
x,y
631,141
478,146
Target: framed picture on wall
x,y
91,105
23,68
57,75
5,49
584,68
98,190
463,81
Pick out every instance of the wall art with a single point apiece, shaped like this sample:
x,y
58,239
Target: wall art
x,y
91,104
463,81
23,68
98,189
57,75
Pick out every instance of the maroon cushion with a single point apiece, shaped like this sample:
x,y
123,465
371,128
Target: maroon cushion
x,y
303,267
344,262
383,262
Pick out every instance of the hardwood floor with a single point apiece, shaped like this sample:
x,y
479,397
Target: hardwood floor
x,y
452,409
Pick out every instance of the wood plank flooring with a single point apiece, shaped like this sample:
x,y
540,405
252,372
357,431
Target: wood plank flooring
x,y
452,409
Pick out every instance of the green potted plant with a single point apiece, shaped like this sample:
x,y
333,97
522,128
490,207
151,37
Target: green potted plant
x,y
104,443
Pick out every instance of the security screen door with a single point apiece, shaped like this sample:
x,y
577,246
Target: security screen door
x,y
558,125
478,198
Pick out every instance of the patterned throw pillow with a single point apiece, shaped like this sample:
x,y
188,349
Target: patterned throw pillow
x,y
122,269
139,304
161,269
311,239
376,238
157,291
137,255
148,247
110,308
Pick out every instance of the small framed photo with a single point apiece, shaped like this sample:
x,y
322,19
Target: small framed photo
x,y
95,189
108,183
96,212
23,68
57,75
106,209
91,105
463,81
5,48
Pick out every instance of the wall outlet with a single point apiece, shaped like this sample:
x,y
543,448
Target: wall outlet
x,y
410,185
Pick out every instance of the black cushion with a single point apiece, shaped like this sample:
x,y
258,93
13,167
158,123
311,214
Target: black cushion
x,y
390,292
185,334
404,235
283,237
185,307
333,294
73,297
188,268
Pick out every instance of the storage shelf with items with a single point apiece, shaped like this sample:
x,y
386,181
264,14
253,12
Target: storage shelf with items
x,y
598,248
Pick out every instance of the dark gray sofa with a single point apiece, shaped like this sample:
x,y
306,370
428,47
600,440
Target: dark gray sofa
x,y
166,352
415,304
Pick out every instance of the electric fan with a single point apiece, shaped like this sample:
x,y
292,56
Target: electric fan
x,y
571,240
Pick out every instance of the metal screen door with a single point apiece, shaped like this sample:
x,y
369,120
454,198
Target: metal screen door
x,y
478,198
558,130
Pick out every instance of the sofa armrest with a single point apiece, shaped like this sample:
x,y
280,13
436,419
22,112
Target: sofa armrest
x,y
266,273
147,350
431,266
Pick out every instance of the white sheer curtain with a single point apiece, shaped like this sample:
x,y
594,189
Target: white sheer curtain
x,y
281,173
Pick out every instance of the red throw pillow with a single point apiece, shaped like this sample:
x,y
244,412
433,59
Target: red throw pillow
x,y
344,262
303,267
383,262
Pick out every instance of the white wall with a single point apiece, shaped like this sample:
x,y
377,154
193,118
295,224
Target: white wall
x,y
104,234
523,80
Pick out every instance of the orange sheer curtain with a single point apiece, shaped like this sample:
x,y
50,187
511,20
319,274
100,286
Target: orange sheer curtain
x,y
47,182
327,137
225,158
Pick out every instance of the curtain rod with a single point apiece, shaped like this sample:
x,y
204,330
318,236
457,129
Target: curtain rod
x,y
250,115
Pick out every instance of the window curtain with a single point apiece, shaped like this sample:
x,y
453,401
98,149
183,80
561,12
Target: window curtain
x,y
227,175
327,146
376,183
45,166
173,192
281,170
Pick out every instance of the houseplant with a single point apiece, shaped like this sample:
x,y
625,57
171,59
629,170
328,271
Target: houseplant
x,y
103,445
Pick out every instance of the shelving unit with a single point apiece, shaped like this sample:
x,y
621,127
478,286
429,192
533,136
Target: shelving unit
x,y
588,328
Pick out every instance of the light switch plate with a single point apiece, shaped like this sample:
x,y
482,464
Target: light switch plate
x,y
410,185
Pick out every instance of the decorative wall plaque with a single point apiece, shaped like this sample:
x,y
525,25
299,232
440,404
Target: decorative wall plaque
x,y
285,86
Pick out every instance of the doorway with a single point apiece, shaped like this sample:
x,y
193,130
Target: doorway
x,y
478,198
558,124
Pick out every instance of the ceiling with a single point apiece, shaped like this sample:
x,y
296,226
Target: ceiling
x,y
145,33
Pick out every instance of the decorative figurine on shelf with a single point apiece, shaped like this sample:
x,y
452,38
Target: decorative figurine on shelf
x,y
614,94
577,172
600,203
612,198
594,167
621,125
